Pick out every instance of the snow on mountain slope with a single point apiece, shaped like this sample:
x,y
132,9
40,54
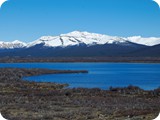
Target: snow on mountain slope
x,y
77,38
144,41
12,45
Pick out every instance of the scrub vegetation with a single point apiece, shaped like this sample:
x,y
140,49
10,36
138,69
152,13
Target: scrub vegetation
x,y
24,100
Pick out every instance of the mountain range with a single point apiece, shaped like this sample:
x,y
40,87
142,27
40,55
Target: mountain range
x,y
77,44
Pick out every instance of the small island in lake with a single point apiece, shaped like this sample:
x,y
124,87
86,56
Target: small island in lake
x,y
24,100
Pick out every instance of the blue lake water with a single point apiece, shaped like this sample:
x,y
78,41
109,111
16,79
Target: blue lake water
x,y
101,75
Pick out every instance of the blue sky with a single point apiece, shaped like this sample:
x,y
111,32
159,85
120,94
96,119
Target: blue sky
x,y
28,20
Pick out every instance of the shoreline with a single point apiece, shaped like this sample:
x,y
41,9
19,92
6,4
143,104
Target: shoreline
x,y
81,59
25,100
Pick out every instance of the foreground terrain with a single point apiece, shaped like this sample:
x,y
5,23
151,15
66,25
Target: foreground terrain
x,y
23,100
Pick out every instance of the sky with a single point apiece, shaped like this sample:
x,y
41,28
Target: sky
x,y
27,20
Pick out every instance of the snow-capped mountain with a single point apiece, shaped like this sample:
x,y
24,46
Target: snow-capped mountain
x,y
12,45
151,41
82,44
77,38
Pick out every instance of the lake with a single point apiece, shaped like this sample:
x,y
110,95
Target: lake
x,y
101,75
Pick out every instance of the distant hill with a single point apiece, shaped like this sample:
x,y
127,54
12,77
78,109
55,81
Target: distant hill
x,y
153,51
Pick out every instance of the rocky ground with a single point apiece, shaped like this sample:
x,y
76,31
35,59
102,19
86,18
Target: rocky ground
x,y
23,100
